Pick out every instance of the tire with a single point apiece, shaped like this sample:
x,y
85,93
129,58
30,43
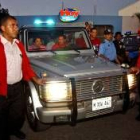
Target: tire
x,y
34,123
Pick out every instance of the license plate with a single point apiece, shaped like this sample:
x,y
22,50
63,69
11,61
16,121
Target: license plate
x,y
101,103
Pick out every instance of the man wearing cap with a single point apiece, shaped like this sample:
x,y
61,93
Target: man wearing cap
x,y
107,48
120,48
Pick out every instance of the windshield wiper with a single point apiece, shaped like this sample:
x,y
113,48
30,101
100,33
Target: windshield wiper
x,y
52,51
77,50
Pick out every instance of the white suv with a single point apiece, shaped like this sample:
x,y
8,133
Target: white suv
x,y
79,84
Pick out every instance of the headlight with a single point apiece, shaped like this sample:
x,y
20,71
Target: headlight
x,y
132,82
55,91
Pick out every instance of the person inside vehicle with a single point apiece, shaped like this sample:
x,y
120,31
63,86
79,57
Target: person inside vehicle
x,y
107,48
37,45
61,44
122,55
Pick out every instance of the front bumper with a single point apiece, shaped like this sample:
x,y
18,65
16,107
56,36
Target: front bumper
x,y
84,110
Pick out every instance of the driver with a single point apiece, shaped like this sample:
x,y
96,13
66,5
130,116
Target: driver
x,y
61,44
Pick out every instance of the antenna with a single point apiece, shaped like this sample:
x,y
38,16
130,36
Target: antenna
x,y
62,5
95,7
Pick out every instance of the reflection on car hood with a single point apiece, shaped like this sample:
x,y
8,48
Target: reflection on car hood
x,y
75,65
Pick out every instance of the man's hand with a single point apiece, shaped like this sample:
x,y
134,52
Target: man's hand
x,y
39,81
102,56
135,70
117,61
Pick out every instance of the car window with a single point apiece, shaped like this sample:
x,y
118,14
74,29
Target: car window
x,y
57,40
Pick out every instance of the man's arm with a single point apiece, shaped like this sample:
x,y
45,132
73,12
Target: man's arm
x,y
102,56
135,70
117,61
39,81
102,52
28,72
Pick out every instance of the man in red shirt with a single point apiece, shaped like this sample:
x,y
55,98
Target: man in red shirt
x,y
14,67
61,44
93,37
136,70
94,40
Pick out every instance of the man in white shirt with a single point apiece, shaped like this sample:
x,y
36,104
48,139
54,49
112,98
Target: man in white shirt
x,y
14,67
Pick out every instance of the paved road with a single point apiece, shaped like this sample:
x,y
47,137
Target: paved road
x,y
112,127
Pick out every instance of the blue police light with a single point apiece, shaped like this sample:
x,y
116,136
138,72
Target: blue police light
x,y
37,21
50,22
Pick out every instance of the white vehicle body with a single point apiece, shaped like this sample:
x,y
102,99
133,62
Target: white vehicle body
x,y
79,84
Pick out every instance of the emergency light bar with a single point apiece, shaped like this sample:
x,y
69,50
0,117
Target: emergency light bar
x,y
48,22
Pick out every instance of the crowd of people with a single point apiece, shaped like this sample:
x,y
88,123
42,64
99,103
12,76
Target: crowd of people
x,y
12,55
111,48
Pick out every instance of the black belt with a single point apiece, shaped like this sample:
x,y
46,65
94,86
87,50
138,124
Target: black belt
x,y
15,84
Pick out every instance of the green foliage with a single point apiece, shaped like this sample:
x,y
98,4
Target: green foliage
x,y
3,11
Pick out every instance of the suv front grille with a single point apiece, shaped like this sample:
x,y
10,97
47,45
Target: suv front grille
x,y
111,86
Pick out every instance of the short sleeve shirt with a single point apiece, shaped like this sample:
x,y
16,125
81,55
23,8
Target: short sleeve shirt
x,y
107,48
96,42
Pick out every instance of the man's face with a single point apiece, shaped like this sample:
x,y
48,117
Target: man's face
x,y
10,29
61,40
108,36
93,33
38,42
118,37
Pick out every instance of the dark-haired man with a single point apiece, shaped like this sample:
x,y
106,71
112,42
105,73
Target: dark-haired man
x,y
93,37
120,48
61,43
94,40
14,67
107,49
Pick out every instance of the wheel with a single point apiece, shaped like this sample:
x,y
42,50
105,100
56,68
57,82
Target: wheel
x,y
34,123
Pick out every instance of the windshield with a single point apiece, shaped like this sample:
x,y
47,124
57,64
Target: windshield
x,y
57,40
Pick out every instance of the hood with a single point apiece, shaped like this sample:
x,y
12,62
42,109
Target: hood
x,y
75,65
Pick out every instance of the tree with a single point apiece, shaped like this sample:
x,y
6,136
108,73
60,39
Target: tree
x,y
3,11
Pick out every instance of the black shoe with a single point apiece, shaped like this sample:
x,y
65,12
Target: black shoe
x,y
138,117
19,134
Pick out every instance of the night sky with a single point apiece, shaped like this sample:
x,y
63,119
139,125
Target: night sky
x,y
52,7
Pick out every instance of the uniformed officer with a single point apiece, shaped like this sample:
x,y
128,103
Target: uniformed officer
x,y
120,48
107,49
